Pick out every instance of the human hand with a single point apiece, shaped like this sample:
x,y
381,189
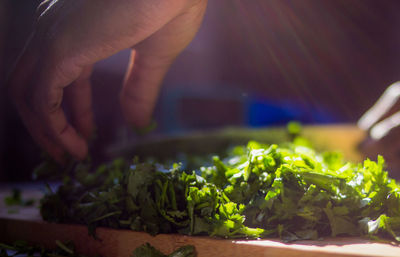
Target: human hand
x,y
69,37
382,121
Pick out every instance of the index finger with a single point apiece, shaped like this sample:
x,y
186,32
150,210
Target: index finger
x,y
47,105
382,106
36,85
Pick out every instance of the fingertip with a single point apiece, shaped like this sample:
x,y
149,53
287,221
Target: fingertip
x,y
55,152
80,150
135,114
73,143
146,129
62,157
139,122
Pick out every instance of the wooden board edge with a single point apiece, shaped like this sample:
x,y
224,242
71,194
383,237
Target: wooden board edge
x,y
121,243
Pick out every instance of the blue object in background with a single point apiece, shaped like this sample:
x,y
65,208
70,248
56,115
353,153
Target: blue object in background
x,y
185,110
263,112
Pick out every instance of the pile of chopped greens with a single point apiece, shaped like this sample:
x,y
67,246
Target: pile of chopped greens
x,y
288,191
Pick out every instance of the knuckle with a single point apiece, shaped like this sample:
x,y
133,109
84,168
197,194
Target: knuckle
x,y
44,103
54,104
63,129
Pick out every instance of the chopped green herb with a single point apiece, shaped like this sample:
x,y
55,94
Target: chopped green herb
x,y
294,128
15,199
147,250
145,130
287,191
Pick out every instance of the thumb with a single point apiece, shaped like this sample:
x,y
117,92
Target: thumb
x,y
140,90
150,62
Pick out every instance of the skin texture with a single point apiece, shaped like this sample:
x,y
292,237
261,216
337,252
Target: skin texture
x,y
383,125
69,37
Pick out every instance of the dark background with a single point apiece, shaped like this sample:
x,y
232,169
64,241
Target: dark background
x,y
253,63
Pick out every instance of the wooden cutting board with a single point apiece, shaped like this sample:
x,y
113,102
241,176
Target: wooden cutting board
x,y
25,223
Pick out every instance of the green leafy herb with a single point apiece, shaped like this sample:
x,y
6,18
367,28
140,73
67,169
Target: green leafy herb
x,y
287,191
147,250
15,199
145,130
